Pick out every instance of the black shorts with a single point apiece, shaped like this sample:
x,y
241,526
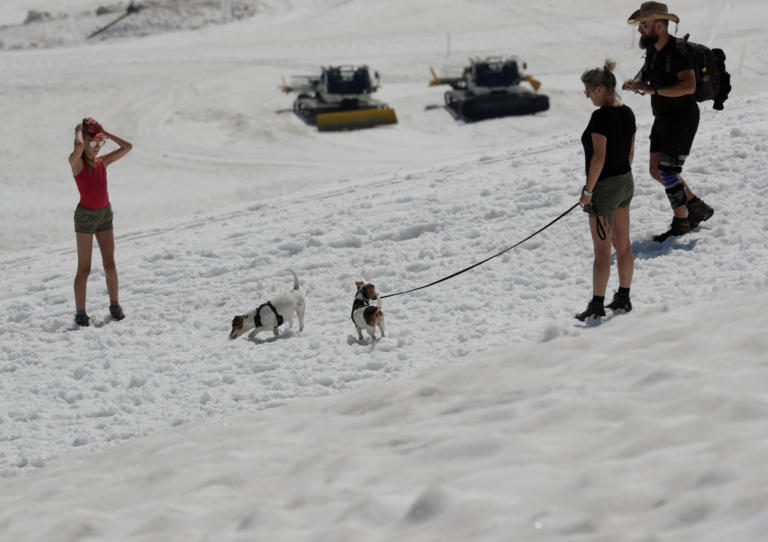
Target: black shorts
x,y
673,134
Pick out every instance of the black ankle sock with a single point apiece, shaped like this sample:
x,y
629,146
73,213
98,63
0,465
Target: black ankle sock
x,y
694,199
114,304
623,291
80,312
598,300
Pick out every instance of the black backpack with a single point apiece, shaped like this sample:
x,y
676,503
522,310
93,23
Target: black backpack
x,y
712,81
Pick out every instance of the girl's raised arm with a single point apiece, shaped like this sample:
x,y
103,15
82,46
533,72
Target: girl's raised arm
x,y
76,158
114,156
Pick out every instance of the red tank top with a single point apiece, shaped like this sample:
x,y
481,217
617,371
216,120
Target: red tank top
x,y
92,184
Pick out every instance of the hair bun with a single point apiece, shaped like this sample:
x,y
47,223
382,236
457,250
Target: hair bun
x,y
609,65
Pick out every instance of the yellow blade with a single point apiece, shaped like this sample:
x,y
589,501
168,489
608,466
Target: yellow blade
x,y
351,120
534,83
435,79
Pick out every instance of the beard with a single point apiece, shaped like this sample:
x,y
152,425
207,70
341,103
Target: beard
x,y
646,42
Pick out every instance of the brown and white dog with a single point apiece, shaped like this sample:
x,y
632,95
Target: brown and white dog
x,y
272,314
364,315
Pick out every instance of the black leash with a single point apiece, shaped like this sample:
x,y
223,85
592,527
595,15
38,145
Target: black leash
x,y
600,228
485,260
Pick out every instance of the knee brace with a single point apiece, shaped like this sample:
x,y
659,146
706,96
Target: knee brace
x,y
676,195
672,162
670,178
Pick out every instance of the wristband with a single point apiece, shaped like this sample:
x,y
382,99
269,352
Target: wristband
x,y
586,192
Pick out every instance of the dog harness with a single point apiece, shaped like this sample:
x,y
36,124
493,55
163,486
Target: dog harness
x,y
357,304
257,316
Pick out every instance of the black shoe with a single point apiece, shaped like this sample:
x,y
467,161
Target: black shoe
x,y
593,309
698,212
82,320
679,226
620,302
116,311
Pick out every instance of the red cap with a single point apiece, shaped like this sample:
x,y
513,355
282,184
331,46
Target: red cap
x,y
91,127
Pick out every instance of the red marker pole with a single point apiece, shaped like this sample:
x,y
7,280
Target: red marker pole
x,y
741,60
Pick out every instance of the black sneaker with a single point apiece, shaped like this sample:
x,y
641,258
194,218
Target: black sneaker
x,y
116,311
593,309
698,212
82,320
679,226
621,302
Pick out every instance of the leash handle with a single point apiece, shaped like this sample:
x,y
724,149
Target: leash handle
x,y
485,260
600,228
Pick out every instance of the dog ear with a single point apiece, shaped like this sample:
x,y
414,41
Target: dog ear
x,y
358,284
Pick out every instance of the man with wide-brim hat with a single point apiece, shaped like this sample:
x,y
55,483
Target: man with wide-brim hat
x,y
669,77
652,10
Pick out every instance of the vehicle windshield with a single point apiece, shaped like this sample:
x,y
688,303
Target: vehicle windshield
x,y
496,74
348,80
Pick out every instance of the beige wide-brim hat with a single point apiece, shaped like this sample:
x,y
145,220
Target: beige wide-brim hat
x,y
652,10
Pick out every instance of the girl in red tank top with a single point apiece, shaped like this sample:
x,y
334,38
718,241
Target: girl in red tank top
x,y
92,184
93,215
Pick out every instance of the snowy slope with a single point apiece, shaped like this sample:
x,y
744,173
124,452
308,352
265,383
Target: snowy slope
x,y
617,434
170,362
223,191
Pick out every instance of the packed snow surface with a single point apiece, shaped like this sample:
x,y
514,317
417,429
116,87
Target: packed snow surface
x,y
487,412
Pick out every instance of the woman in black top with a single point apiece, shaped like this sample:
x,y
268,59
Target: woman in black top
x,y
609,145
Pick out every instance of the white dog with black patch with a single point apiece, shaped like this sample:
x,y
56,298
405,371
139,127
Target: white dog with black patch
x,y
272,314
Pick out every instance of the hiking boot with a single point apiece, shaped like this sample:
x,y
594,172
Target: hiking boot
x,y
593,309
698,212
620,302
82,320
679,226
116,311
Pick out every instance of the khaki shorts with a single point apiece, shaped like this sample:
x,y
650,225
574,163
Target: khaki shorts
x,y
610,194
93,220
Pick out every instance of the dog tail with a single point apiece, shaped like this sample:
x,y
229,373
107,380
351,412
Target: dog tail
x,y
295,279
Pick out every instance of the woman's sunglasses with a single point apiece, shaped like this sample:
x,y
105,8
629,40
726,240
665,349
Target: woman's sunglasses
x,y
98,141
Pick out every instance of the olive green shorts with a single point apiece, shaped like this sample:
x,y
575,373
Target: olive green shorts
x,y
610,194
93,220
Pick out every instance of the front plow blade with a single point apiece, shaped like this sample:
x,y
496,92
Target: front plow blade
x,y
353,120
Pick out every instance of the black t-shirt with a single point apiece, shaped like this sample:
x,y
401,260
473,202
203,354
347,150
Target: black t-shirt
x,y
617,124
660,70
